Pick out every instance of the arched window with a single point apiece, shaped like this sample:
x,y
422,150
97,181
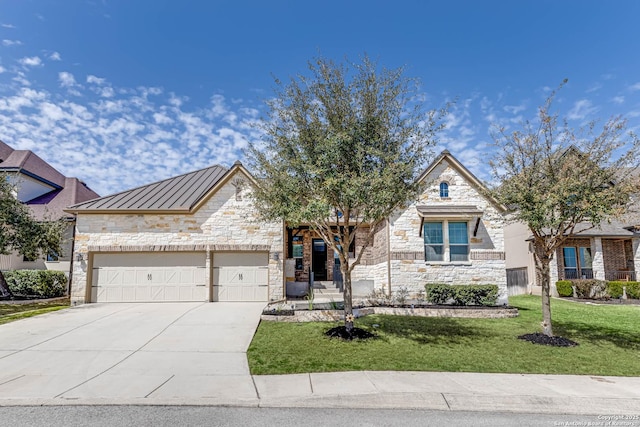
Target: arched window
x,y
444,189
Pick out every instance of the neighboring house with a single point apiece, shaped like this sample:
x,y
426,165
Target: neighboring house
x,y
196,237
610,251
46,192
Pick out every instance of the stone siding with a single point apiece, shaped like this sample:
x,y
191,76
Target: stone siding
x,y
223,222
486,264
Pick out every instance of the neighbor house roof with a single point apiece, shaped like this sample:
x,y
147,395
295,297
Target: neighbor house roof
x,y
52,205
178,194
27,162
66,191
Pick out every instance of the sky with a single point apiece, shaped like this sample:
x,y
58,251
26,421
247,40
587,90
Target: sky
x,y
120,93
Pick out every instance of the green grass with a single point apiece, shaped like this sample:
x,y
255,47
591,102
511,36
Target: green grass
x,y
608,337
11,312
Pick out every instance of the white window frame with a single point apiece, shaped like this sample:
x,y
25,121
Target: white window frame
x,y
446,244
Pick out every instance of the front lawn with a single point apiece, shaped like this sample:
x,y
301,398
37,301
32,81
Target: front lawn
x,y
10,312
608,337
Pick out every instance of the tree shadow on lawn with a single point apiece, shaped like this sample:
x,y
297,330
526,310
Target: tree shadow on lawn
x,y
426,330
583,332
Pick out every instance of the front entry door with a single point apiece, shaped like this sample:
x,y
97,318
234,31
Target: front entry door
x,y
319,259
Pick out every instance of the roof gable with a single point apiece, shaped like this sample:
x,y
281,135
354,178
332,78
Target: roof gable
x,y
181,194
464,173
30,164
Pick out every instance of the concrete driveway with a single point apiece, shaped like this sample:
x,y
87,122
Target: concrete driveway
x,y
129,352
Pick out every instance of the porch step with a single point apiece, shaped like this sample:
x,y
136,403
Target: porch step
x,y
323,284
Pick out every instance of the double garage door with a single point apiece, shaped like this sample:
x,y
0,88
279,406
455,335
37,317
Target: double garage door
x,y
178,276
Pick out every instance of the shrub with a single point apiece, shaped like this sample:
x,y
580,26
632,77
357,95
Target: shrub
x,y
475,294
564,288
590,288
614,289
37,283
462,294
438,293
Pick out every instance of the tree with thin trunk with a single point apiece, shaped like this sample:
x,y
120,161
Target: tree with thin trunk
x,y
560,181
341,150
20,232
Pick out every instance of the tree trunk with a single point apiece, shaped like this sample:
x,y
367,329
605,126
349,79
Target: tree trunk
x,y
5,292
348,301
542,265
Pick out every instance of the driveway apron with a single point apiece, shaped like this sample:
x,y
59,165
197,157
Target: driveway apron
x,y
130,351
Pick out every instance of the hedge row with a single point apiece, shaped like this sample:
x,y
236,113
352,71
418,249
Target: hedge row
x,y
36,283
440,294
597,289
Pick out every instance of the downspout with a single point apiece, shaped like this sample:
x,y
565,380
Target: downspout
x,y
388,256
73,247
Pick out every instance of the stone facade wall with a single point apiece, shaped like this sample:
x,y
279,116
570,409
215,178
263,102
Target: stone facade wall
x,y
223,222
486,264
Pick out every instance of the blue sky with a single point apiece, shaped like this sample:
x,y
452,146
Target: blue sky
x,y
122,93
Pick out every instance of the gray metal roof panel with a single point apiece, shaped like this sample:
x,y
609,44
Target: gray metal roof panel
x,y
448,209
178,193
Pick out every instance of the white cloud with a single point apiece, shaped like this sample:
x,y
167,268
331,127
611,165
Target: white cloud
x,y
95,80
2,69
581,109
634,87
618,99
7,26
116,138
55,56
6,42
594,88
515,109
66,79
33,61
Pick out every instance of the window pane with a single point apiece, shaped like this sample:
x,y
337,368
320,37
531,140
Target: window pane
x,y
458,233
433,233
585,258
459,253
569,255
434,252
444,189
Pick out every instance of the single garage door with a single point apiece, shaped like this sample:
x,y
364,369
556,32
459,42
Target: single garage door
x,y
149,277
240,276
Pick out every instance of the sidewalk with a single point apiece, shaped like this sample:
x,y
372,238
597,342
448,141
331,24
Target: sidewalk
x,y
552,394
555,394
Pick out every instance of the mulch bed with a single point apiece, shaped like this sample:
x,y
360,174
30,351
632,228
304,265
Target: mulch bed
x,y
539,338
342,333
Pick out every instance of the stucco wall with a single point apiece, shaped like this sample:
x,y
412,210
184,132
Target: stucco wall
x,y
221,223
486,263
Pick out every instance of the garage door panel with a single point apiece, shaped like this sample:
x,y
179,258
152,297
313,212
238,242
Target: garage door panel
x,y
240,276
139,277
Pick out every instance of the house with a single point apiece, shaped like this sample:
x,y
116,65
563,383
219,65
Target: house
x,y
46,192
196,237
609,251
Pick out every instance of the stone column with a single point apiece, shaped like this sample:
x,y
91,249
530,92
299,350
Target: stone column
x,y
553,275
636,256
598,258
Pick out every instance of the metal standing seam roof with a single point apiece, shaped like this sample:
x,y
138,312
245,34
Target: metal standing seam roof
x,y
179,193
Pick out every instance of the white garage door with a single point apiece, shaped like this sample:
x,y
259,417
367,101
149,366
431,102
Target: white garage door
x,y
240,276
149,277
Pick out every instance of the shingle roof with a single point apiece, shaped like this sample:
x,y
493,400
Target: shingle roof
x,y
180,193
52,204
28,162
